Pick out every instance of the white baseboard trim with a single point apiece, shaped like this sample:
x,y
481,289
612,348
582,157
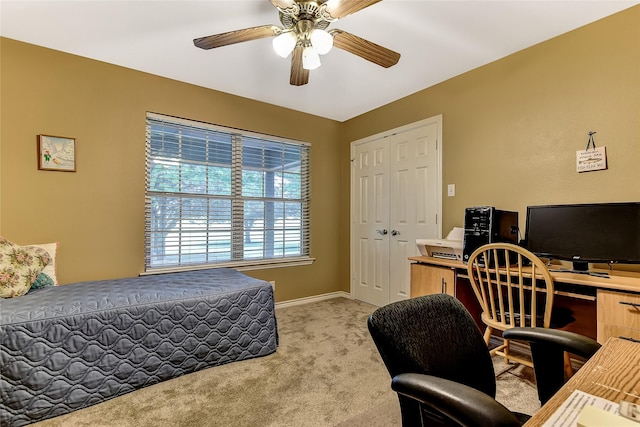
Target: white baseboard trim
x,y
315,298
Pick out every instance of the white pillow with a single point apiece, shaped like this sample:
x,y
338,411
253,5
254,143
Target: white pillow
x,y
50,269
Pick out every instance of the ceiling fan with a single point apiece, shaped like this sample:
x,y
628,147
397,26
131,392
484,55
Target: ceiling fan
x,y
304,36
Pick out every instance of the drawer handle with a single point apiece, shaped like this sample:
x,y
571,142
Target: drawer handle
x,y
629,339
632,304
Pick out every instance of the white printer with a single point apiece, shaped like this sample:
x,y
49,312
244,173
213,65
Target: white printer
x,y
448,248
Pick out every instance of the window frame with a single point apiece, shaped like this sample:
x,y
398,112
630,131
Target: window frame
x,y
237,255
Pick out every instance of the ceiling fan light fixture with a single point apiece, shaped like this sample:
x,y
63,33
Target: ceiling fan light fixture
x,y
321,41
304,37
310,58
284,43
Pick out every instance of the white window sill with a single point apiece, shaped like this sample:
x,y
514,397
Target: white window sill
x,y
240,266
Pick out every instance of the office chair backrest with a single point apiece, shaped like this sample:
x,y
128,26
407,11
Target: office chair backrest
x,y
434,335
501,276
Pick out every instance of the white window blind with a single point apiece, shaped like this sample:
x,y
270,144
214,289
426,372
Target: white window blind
x,y
221,196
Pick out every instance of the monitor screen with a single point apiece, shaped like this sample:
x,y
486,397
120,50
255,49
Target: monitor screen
x,y
603,232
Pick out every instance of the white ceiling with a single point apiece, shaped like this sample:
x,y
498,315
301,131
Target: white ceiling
x,y
437,40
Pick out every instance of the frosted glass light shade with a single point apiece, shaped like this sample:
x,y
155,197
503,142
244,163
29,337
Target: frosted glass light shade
x,y
310,58
284,43
321,41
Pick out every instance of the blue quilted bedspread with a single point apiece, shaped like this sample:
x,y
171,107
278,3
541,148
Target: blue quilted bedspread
x,y
67,347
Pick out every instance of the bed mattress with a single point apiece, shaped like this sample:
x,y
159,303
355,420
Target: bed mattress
x,y
66,347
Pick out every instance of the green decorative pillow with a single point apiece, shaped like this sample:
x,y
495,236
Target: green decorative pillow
x,y
42,281
19,267
50,269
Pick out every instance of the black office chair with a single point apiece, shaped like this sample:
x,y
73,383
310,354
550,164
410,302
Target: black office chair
x,y
548,349
440,364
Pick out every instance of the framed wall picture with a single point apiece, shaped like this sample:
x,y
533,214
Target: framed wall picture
x,y
56,153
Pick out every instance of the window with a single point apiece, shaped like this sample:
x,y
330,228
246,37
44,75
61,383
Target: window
x,y
221,196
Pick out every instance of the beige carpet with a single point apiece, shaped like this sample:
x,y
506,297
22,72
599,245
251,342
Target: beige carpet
x,y
326,372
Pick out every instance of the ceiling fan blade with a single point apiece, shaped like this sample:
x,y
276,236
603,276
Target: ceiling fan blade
x,y
340,9
364,48
237,36
299,75
282,4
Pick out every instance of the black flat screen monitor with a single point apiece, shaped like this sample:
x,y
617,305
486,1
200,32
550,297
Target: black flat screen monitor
x,y
584,233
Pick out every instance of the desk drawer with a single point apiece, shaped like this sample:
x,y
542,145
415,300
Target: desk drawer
x,y
620,332
618,310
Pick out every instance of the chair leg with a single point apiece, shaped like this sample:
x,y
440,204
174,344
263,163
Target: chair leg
x,y
487,335
506,351
568,369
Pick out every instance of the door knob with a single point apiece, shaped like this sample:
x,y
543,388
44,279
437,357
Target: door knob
x,y
395,233
382,232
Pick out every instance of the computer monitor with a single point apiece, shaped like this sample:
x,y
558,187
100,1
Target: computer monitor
x,y
584,233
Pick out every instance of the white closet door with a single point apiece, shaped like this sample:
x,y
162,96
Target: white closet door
x,y
371,222
413,204
396,198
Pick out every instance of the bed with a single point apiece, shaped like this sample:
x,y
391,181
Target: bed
x,y
63,348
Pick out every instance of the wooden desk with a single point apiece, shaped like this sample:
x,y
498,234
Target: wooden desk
x,y
603,306
617,280
613,373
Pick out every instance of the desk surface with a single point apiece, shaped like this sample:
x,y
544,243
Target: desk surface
x,y
618,280
613,373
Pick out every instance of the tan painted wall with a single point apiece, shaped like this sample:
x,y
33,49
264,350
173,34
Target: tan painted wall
x,y
97,213
511,130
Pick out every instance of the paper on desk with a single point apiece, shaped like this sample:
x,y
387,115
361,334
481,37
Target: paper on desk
x,y
456,233
567,414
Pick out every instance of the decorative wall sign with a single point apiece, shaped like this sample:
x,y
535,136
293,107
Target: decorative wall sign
x,y
592,158
56,153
